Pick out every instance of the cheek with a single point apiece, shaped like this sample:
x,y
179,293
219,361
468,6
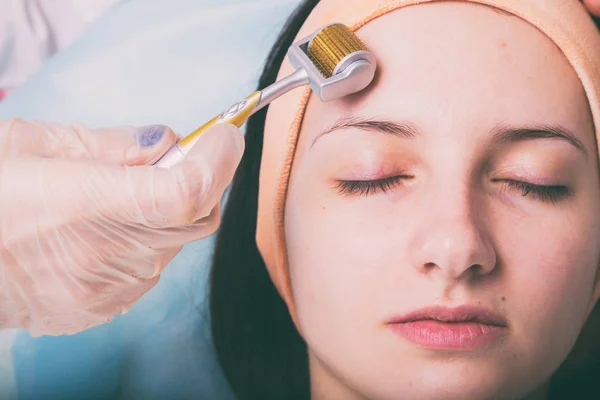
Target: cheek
x,y
551,260
546,274
334,256
549,282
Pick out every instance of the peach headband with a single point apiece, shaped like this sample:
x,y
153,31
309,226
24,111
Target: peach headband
x,y
566,22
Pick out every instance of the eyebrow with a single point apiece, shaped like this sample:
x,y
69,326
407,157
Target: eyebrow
x,y
403,130
500,134
507,134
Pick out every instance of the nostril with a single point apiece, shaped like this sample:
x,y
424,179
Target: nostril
x,y
479,270
428,266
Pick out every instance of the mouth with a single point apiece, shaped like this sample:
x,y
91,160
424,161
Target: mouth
x,y
463,328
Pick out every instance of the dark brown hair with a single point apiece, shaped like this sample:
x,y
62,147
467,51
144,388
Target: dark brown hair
x,y
261,353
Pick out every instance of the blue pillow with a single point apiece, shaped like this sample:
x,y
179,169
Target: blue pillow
x,y
174,62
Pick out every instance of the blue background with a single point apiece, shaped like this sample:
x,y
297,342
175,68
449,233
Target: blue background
x,y
176,62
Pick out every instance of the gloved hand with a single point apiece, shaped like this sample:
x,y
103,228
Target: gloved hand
x,y
86,227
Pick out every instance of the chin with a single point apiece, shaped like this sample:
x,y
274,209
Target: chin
x,y
472,390
459,381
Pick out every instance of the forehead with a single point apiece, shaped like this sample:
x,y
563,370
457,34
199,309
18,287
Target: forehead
x,y
461,62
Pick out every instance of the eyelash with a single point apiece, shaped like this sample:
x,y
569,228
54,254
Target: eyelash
x,y
366,188
546,194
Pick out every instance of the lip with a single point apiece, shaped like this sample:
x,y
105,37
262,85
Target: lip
x,y
461,328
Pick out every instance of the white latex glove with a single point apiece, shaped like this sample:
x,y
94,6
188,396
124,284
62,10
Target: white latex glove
x,y
86,227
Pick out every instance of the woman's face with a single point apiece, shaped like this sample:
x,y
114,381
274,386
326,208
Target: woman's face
x,y
442,228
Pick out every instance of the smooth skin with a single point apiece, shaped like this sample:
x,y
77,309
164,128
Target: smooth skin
x,y
460,213
593,6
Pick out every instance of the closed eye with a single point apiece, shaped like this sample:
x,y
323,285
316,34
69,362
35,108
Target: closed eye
x,y
546,194
369,187
543,193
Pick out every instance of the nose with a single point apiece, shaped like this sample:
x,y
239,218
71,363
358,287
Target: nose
x,y
453,241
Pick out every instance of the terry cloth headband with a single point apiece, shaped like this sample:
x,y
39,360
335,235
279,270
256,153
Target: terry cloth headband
x,y
566,22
